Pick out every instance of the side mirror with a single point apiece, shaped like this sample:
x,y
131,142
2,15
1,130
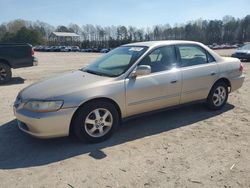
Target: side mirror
x,y
141,70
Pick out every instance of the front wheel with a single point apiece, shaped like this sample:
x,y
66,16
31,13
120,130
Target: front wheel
x,y
218,96
95,121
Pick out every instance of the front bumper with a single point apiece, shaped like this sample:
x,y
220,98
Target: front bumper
x,y
44,125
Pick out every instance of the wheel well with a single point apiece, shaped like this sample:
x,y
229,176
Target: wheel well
x,y
226,81
94,100
4,61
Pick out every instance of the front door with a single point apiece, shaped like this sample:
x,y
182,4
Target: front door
x,y
157,90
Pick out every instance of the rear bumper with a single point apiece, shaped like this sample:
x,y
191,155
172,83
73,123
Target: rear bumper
x,y
35,61
237,82
31,61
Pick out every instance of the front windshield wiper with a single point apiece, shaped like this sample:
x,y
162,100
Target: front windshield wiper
x,y
94,72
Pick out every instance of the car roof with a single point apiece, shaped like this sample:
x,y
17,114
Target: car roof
x,y
153,44
160,43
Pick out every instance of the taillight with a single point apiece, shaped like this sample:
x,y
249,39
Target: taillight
x,y
32,51
241,68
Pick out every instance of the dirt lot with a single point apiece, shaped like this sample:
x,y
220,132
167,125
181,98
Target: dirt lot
x,y
185,147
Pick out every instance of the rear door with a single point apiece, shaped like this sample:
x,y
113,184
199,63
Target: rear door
x,y
199,72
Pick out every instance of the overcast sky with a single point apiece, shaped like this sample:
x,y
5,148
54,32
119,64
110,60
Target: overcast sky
x,y
121,12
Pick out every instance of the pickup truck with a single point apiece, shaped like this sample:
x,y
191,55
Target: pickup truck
x,y
15,56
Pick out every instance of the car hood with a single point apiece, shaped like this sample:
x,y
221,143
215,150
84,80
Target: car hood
x,y
62,85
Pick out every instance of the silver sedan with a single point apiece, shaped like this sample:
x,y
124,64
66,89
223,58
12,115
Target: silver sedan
x,y
129,80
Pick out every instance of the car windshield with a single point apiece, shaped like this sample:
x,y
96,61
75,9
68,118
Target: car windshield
x,y
116,62
245,47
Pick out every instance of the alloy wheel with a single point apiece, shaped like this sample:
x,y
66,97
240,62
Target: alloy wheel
x,y
98,122
219,96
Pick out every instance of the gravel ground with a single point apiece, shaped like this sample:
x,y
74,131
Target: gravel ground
x,y
185,147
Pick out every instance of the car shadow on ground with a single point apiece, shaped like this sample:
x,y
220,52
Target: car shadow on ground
x,y
14,81
18,150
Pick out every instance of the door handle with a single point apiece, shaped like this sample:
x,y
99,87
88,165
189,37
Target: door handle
x,y
174,81
213,73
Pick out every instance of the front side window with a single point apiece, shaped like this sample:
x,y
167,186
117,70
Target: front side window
x,y
116,62
163,58
193,55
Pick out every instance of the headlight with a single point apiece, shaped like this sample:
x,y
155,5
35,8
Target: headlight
x,y
43,106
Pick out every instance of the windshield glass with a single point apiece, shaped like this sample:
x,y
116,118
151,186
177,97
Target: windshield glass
x,y
116,62
245,47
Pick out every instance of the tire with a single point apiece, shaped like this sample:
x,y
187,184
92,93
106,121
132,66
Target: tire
x,y
218,96
87,126
5,73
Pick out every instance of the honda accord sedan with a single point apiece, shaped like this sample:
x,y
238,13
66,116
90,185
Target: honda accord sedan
x,y
129,80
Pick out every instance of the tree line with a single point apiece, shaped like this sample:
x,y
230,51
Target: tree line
x,y
228,30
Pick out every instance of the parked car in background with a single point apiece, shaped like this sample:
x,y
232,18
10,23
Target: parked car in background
x,y
60,48
64,49
38,48
83,50
105,50
51,49
69,49
243,52
42,49
216,46
56,49
75,49
96,50
87,50
47,48
15,56
129,80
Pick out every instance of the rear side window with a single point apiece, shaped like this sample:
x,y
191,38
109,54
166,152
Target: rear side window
x,y
193,55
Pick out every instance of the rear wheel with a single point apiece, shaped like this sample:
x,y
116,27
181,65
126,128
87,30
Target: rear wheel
x,y
5,73
95,121
218,96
